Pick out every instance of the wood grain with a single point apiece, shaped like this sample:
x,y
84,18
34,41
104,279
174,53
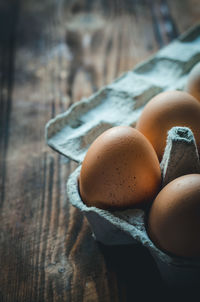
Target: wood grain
x,y
52,54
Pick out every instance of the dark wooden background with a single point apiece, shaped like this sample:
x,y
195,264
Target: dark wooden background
x,y
53,53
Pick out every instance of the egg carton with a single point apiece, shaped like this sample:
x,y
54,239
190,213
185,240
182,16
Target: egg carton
x,y
129,226
121,103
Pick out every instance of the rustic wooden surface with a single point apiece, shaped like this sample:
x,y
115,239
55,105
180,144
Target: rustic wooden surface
x,y
53,53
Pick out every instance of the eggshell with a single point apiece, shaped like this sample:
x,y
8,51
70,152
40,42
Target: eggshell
x,y
120,170
166,110
174,218
193,82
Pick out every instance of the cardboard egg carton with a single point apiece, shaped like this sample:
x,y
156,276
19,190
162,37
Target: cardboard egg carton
x,y
121,103
129,226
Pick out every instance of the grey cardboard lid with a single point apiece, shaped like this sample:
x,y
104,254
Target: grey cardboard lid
x,y
122,102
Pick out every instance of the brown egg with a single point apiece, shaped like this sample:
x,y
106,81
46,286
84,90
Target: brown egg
x,y
174,218
166,110
120,170
193,82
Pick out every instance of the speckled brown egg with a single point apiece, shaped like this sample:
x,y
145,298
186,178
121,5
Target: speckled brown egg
x,y
174,218
166,110
193,82
120,170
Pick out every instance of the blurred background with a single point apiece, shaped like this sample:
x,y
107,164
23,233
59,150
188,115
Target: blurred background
x,y
52,54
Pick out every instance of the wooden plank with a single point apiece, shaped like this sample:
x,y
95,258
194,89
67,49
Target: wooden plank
x,y
178,11
52,54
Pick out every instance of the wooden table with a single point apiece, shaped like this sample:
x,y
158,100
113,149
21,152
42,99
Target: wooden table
x,y
53,53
